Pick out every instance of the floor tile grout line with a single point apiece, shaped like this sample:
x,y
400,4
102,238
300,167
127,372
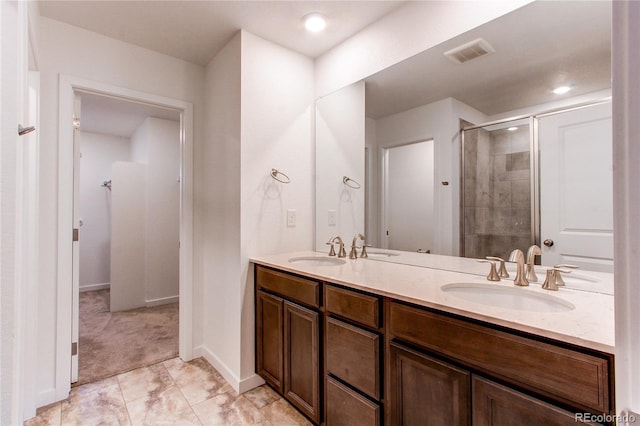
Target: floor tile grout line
x,y
126,407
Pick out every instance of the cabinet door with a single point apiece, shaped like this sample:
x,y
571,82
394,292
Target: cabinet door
x,y
426,391
301,363
269,339
497,405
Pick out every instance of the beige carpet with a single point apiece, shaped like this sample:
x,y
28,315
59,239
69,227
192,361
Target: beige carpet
x,y
112,343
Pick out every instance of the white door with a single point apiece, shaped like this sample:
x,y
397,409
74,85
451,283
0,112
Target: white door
x,y
408,197
75,305
576,188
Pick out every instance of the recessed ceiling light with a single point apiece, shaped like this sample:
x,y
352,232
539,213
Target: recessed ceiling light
x,y
512,129
561,90
315,22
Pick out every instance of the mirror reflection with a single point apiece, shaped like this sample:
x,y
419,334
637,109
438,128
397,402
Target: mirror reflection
x,y
408,148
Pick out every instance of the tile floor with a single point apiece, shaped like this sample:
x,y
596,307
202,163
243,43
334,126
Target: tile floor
x,y
172,392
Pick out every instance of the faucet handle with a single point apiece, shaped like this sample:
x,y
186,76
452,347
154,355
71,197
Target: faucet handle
x,y
341,251
332,251
553,275
559,280
493,274
363,253
503,269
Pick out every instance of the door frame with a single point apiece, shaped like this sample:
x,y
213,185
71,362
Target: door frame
x,y
68,86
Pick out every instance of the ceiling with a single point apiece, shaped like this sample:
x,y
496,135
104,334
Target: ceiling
x,y
539,46
118,117
196,30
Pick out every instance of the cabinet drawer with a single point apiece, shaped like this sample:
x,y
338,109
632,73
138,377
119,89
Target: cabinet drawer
x,y
353,355
578,379
354,306
496,404
346,408
290,286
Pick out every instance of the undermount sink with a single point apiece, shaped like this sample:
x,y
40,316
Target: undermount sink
x,y
317,261
501,296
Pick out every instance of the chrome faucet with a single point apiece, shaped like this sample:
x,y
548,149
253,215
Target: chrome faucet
x,y
533,251
517,257
353,254
341,251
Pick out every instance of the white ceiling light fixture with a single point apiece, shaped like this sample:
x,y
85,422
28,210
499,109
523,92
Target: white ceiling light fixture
x,y
315,22
561,90
512,129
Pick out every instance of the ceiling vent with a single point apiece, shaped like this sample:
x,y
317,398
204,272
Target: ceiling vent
x,y
468,51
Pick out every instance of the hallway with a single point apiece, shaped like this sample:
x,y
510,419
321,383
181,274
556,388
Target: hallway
x,y
115,342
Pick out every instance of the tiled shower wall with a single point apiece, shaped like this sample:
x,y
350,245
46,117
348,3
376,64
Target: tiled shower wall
x,y
497,192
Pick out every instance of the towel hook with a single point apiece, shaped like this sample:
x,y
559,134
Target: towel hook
x,y
350,182
279,176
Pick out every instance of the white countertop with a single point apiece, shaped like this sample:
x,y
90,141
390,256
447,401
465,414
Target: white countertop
x,y
590,324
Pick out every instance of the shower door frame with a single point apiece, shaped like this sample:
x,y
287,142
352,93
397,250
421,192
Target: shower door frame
x,y
534,158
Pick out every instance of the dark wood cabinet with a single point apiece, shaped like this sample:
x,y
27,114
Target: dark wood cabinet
x,y
269,339
497,405
301,359
348,357
425,388
348,408
288,338
425,391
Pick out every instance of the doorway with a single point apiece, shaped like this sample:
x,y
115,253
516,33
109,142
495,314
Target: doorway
x,y
408,197
126,206
68,272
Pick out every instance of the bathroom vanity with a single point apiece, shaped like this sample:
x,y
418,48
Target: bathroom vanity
x,y
366,342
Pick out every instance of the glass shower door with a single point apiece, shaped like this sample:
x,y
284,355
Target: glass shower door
x,y
497,192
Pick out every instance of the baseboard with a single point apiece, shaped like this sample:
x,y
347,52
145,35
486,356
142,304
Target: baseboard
x,y
47,397
240,386
162,301
93,287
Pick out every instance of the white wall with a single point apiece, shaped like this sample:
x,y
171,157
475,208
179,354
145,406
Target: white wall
x,y
276,128
156,143
220,203
340,141
404,32
74,51
98,153
438,121
259,117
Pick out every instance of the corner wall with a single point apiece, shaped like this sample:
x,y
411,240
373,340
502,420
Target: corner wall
x,y
259,116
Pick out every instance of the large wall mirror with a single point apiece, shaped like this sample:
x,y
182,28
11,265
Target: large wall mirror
x,y
397,135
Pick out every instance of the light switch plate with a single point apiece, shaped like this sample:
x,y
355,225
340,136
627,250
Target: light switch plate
x,y
332,217
291,217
